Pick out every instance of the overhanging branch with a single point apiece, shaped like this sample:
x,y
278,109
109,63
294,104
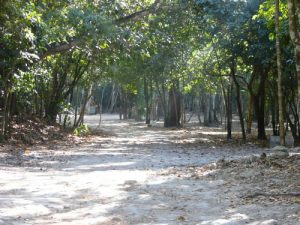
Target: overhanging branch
x,y
63,47
59,48
142,13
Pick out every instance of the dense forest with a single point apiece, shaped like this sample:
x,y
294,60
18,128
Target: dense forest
x,y
150,59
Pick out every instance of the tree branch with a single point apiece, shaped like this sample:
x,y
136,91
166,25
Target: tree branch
x,y
59,48
63,47
142,13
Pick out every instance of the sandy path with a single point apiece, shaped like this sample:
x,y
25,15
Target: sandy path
x,y
120,179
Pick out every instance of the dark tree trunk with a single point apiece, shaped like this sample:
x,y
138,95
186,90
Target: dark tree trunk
x,y
259,106
238,99
250,115
227,95
6,116
259,75
229,111
174,109
274,120
60,89
293,108
52,111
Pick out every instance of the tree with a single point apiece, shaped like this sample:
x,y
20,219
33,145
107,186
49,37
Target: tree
x,y
279,71
294,20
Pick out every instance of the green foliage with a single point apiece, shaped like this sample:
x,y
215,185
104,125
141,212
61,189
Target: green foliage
x,y
48,49
82,130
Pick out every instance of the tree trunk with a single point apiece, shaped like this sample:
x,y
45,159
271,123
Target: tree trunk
x,y
114,96
123,105
88,94
250,115
294,20
147,101
206,106
212,109
183,113
198,108
76,106
229,111
238,98
6,118
52,111
259,74
162,104
6,115
274,115
174,109
259,107
279,82
227,96
294,125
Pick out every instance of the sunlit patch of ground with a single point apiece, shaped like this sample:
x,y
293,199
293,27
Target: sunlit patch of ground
x,y
133,174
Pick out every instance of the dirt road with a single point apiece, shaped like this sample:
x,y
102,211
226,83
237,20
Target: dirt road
x,y
126,178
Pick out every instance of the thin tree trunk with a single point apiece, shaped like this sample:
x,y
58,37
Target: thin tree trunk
x,y
146,95
250,115
259,107
151,99
6,109
238,99
183,113
87,97
6,115
206,105
274,113
229,111
125,106
279,82
113,97
76,106
199,110
101,106
163,103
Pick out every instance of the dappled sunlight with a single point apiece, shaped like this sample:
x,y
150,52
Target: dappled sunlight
x,y
105,166
84,198
141,175
232,219
213,132
150,112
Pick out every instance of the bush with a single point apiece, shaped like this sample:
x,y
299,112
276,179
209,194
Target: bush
x,y
82,130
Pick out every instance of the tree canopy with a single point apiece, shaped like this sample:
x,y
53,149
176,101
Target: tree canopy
x,y
163,52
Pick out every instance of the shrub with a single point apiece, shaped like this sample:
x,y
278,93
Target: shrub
x,y
82,130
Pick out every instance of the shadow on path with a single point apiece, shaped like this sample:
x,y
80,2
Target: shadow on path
x,y
120,180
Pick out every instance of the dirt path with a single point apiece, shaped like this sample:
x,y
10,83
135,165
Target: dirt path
x,y
127,178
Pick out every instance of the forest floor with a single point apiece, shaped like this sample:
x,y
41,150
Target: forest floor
x,y
133,174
